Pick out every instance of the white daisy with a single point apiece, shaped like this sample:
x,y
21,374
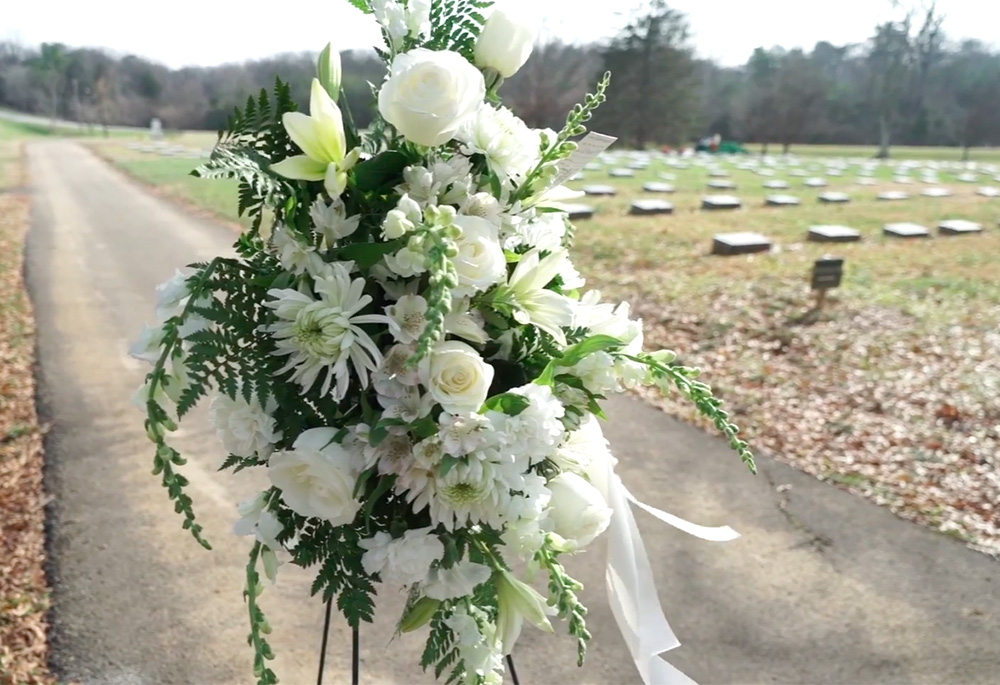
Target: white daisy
x,y
323,331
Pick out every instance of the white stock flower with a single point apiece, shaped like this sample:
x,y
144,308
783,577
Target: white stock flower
x,y
418,18
294,255
478,646
408,262
511,148
407,318
320,136
256,520
577,510
458,581
429,94
317,477
391,16
401,561
323,332
456,377
533,434
480,262
542,308
245,429
331,220
506,41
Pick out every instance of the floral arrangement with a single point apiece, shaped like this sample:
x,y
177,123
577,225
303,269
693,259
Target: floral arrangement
x,y
404,346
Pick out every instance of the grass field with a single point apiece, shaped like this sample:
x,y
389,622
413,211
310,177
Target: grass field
x,y
891,390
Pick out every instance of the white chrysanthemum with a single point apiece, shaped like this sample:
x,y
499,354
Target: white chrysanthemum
x,y
293,254
582,446
546,232
570,277
458,581
245,428
463,433
331,220
511,148
407,318
401,561
473,492
322,332
534,433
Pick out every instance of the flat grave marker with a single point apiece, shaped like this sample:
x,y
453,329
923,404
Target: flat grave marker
x,y
713,202
936,192
776,184
721,185
833,234
650,207
653,187
621,173
781,201
988,191
600,190
578,211
740,243
891,195
906,230
816,182
959,227
833,197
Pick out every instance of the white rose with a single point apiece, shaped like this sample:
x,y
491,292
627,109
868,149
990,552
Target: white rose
x,y
505,42
317,477
577,510
429,94
480,262
456,377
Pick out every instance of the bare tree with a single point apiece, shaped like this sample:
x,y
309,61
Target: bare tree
x,y
555,78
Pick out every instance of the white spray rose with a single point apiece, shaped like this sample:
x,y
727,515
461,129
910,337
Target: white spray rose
x,y
317,477
430,94
480,262
577,510
506,41
456,377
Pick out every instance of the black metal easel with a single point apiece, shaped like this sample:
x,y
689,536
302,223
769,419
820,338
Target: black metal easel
x,y
356,652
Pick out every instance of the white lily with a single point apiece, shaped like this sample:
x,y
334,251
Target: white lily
x,y
516,602
320,135
543,308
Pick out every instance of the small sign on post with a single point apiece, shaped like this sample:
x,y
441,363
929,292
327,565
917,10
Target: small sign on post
x,y
826,274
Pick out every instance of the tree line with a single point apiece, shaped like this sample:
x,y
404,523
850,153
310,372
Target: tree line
x,y
908,84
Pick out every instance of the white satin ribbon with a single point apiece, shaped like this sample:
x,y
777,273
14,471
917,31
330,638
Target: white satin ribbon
x,y
631,591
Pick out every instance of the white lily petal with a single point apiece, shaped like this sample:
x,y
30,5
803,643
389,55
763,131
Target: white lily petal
x,y
335,180
328,123
300,168
304,133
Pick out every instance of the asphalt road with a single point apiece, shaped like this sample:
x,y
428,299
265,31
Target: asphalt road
x,y
823,587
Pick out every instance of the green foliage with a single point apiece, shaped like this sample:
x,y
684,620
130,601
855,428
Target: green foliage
x,y
562,595
440,650
341,574
456,24
362,5
258,623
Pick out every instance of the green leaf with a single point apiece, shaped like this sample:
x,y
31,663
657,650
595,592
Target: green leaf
x,y
367,255
384,485
595,343
382,170
509,403
361,5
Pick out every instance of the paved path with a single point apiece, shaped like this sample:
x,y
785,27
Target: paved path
x,y
822,588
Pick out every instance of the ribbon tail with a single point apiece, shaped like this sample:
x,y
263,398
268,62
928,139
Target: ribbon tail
x,y
632,594
719,534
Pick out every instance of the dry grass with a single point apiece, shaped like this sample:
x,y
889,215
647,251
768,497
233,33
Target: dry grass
x,y
24,592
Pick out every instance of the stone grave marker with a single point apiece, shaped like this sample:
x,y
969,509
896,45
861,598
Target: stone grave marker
x,y
798,173
959,227
592,166
776,184
967,178
988,191
781,201
718,173
650,207
621,173
866,181
905,230
833,197
890,195
902,180
721,184
815,182
833,234
935,192
712,202
155,129
739,243
600,190
654,187
666,176
578,211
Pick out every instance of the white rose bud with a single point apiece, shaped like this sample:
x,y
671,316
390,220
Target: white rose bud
x,y
577,510
505,42
480,262
317,477
456,377
429,95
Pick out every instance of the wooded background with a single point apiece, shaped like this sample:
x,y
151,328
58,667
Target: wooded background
x,y
909,84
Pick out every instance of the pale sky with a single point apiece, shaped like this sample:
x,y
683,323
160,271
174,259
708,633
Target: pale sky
x,y
209,32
